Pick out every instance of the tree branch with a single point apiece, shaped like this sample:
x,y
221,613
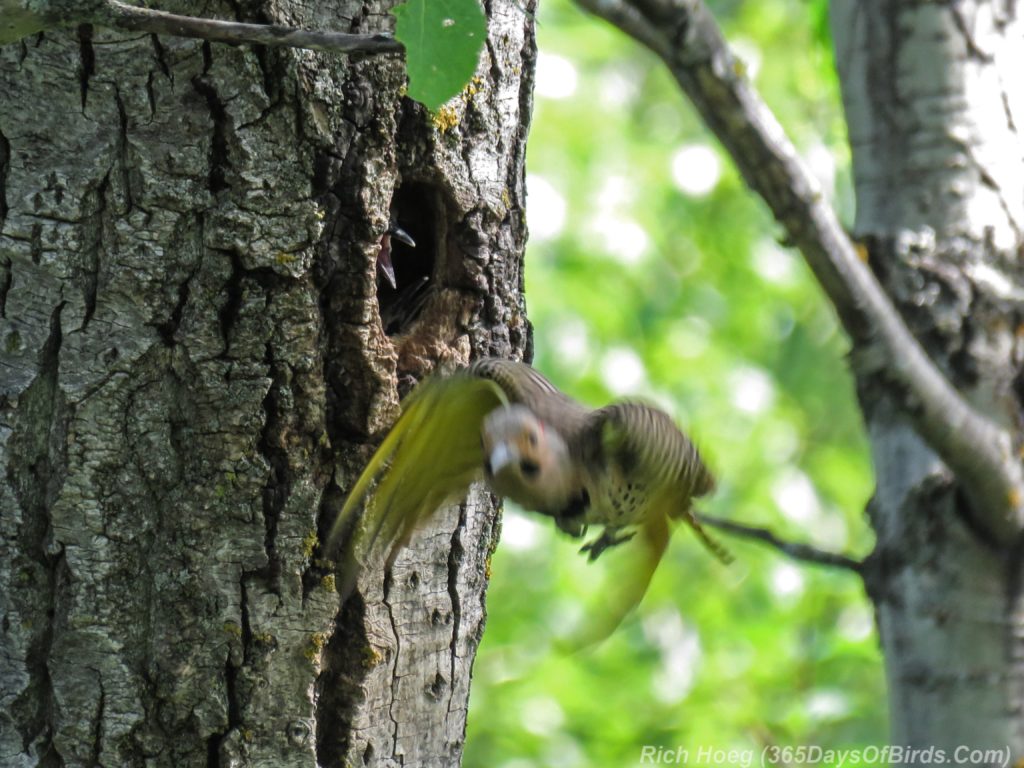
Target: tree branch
x,y
123,16
684,34
803,552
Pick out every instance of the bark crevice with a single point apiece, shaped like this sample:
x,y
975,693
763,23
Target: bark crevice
x,y
277,489
5,169
86,61
219,159
6,280
94,208
169,329
36,473
348,660
213,218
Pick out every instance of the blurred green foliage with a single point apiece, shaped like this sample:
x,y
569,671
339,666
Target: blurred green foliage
x,y
653,271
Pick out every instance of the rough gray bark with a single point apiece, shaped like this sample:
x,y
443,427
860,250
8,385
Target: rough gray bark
x,y
193,367
19,18
934,109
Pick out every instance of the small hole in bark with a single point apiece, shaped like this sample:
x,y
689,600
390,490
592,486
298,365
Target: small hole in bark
x,y
299,733
437,687
416,210
368,754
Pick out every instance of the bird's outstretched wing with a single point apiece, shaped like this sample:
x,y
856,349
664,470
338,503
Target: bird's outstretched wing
x,y
431,454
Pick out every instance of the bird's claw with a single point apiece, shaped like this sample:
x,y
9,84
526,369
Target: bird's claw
x,y
607,539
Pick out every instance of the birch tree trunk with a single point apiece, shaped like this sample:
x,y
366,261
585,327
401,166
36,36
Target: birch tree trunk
x,y
195,358
933,103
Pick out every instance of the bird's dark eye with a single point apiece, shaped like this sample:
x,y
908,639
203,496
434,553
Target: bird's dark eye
x,y
531,437
529,468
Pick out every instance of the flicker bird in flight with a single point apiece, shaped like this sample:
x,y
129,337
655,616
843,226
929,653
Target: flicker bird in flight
x,y
625,467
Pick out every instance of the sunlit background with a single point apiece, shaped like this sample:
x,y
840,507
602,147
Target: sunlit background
x,y
653,271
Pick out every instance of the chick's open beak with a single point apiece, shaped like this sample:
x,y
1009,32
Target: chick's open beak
x,y
384,263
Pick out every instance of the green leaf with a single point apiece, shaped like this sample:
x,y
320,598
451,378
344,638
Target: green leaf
x,y
442,40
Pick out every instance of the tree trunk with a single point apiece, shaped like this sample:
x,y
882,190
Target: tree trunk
x,y
933,105
194,367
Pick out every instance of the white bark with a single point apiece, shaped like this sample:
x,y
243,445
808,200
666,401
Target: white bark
x,y
929,89
933,105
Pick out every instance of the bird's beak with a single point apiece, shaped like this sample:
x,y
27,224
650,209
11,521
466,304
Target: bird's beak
x,y
401,235
384,260
500,457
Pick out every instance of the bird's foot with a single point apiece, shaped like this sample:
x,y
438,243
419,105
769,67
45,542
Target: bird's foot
x,y
609,538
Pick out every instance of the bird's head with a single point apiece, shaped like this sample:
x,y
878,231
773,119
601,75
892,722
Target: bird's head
x,y
527,460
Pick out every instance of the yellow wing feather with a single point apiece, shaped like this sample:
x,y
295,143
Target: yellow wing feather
x,y
431,454
628,589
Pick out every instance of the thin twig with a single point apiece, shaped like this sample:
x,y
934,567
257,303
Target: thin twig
x,y
803,552
123,16
684,34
